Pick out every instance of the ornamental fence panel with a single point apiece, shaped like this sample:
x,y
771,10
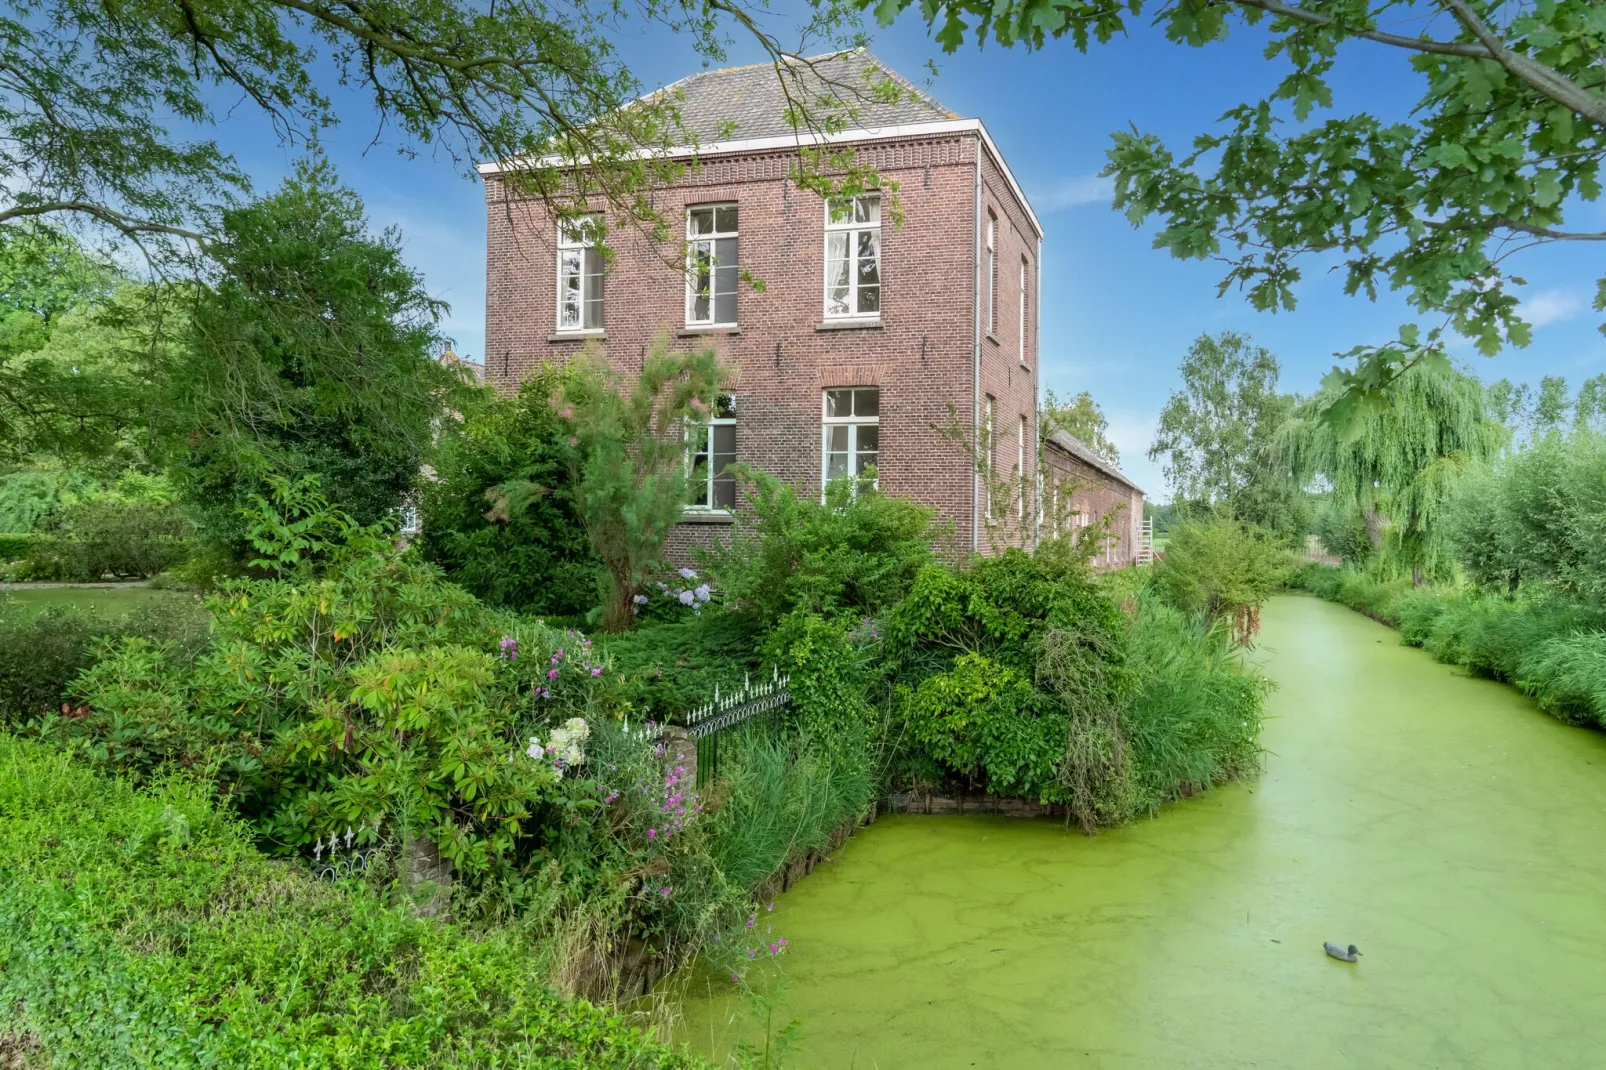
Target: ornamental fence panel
x,y
727,710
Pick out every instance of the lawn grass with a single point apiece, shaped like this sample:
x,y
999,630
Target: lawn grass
x,y
101,600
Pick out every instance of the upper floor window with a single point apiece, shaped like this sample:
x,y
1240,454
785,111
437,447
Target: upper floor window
x,y
711,265
1022,340
579,274
851,440
992,274
853,256
710,451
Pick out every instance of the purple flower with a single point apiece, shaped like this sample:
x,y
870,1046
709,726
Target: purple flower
x,y
667,891
596,672
640,600
752,952
782,941
687,598
736,977
552,674
510,648
652,834
774,950
687,574
702,593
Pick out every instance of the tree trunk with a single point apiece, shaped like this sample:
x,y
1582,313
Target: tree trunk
x,y
426,877
1374,528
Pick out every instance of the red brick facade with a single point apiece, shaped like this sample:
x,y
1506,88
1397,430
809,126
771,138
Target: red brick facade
x,y
921,352
1078,493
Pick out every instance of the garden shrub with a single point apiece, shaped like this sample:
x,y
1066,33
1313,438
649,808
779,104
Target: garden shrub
x,y
1223,569
42,652
1013,671
142,928
124,539
855,553
670,667
531,554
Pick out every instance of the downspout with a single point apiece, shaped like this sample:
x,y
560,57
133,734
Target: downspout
x,y
1037,383
975,373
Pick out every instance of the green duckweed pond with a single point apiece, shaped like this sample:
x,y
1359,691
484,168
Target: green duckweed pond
x,y
1443,824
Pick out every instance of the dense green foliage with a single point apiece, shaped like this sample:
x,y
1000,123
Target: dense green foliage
x,y
41,653
142,928
1397,463
534,558
1429,197
1215,436
1223,570
1537,517
312,354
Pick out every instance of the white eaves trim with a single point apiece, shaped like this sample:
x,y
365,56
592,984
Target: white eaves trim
x,y
790,141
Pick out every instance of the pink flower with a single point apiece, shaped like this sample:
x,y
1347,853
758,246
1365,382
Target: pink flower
x,y
652,834
552,674
736,977
596,672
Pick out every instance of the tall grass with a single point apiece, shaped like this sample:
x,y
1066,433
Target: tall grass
x,y
1195,719
783,795
1568,677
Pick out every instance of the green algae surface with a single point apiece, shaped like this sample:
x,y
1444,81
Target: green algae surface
x,y
1441,823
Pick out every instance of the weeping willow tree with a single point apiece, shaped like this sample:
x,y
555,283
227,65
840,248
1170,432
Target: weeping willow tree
x,y
1398,461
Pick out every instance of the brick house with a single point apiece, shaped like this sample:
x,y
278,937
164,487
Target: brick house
x,y
865,332
1082,488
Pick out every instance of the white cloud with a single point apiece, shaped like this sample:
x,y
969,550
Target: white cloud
x,y
1553,306
1076,192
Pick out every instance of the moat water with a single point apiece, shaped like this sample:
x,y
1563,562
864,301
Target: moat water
x,y
1443,824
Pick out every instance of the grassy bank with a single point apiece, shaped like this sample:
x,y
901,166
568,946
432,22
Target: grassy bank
x,y
1552,648
143,928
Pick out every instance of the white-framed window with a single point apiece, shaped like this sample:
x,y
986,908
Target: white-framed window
x,y
1022,340
579,274
992,274
711,272
853,256
992,450
1020,470
850,439
710,451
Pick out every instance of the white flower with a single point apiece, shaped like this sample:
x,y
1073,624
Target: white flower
x,y
535,750
578,728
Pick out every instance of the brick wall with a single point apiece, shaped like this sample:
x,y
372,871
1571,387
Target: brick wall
x,y
921,357
1093,495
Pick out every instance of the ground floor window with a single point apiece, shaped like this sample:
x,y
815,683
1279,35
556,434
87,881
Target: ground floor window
x,y
851,436
710,451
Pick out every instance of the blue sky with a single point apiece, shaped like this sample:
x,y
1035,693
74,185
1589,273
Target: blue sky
x,y
1118,314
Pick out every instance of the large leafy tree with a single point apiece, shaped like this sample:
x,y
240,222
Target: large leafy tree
x,y
1082,419
313,352
1503,144
1215,434
1400,463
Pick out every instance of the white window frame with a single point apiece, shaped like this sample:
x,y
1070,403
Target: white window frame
x,y
992,274
1023,270
988,423
693,242
853,227
1020,471
570,239
726,402
853,423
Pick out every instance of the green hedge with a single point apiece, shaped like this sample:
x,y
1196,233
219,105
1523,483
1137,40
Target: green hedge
x,y
142,928
1551,647
15,547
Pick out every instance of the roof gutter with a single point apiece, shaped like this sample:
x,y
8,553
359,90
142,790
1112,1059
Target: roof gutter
x,y
801,139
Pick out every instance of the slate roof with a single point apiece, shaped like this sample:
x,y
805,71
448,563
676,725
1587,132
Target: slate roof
x,y
1076,449
752,97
